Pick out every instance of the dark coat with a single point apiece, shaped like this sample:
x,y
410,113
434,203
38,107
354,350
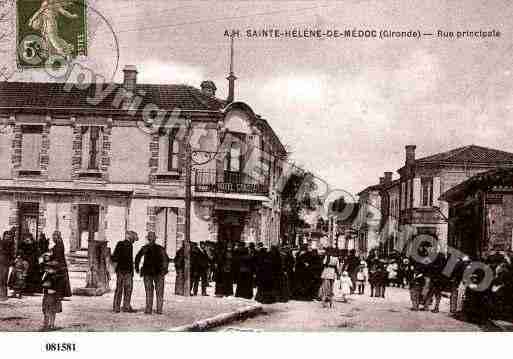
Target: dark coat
x,y
200,261
124,257
244,274
302,275
224,271
156,260
62,283
6,252
30,253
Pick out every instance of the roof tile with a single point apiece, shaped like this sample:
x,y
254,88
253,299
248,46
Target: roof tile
x,y
52,95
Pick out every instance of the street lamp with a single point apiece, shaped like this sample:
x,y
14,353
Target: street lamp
x,y
188,193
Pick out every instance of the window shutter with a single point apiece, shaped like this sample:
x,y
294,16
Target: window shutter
x,y
85,147
175,150
31,145
99,148
181,156
163,152
436,191
244,148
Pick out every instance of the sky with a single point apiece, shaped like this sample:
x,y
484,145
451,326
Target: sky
x,y
345,108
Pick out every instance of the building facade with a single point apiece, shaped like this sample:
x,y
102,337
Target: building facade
x,y
481,214
410,205
390,197
94,171
423,180
367,223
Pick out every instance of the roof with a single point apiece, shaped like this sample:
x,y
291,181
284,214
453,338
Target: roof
x,y
375,187
53,95
380,186
469,154
480,181
391,184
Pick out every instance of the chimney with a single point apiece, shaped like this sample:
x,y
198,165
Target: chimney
x,y
381,180
410,154
208,88
130,77
388,177
231,77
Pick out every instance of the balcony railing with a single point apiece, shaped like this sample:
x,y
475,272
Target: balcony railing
x,y
229,182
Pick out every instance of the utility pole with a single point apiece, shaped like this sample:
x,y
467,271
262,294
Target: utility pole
x,y
188,195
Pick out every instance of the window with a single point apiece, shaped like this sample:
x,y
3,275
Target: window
x,y
31,147
234,152
169,148
426,188
233,159
91,147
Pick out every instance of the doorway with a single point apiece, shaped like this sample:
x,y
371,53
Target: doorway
x,y
231,224
28,219
166,228
88,220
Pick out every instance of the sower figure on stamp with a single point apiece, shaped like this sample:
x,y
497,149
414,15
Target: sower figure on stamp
x,y
45,20
153,271
124,260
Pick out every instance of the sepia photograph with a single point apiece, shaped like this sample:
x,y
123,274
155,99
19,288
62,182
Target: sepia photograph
x,y
255,167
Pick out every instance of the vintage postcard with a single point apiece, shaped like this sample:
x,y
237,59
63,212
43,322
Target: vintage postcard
x,y
255,166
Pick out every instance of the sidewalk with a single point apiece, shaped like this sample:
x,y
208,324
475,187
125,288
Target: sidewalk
x,y
95,313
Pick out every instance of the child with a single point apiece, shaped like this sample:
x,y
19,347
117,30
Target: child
x,y
51,301
21,267
345,286
417,284
361,277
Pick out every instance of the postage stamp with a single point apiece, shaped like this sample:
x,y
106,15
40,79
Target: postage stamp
x,y
48,28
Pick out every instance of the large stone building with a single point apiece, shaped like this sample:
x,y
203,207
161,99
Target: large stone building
x,y
95,170
367,222
481,214
393,211
423,180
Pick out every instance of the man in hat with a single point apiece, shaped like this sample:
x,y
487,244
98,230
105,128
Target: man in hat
x,y
153,271
200,263
124,260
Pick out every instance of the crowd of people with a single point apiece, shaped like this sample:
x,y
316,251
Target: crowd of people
x,y
268,275
279,273
472,297
31,266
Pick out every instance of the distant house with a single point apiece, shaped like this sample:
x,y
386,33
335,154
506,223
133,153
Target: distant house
x,y
422,181
368,220
481,213
393,211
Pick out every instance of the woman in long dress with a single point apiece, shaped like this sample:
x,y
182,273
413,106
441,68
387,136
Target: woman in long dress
x,y
57,255
6,261
45,20
330,268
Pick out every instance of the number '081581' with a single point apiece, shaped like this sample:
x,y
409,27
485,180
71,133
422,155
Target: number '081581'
x,y
60,347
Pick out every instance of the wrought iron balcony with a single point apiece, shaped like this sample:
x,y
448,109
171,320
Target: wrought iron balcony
x,y
229,182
